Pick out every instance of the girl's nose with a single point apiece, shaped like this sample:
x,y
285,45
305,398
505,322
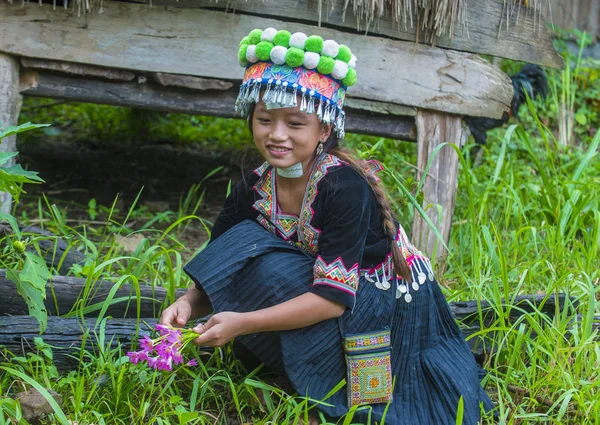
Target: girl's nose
x,y
278,132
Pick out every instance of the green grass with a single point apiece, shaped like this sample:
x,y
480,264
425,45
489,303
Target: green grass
x,y
527,221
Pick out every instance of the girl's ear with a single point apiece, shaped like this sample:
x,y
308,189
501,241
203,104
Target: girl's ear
x,y
325,131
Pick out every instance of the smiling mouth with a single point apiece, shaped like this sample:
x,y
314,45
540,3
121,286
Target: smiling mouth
x,y
278,148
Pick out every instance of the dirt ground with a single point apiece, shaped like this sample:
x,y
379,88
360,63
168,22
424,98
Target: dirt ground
x,y
77,172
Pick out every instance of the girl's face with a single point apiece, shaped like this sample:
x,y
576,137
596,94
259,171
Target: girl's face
x,y
286,136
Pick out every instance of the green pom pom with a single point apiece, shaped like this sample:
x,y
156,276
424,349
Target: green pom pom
x,y
325,65
245,40
350,78
242,53
263,50
282,38
314,43
294,57
254,36
345,54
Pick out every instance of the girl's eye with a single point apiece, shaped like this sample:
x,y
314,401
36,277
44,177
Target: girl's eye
x,y
296,124
263,120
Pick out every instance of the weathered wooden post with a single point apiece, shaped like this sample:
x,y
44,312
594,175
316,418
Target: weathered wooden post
x,y
433,129
10,106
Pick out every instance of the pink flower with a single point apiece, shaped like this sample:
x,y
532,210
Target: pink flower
x,y
164,352
146,343
134,357
162,329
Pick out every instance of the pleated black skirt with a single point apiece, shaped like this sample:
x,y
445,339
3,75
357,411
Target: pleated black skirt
x,y
248,268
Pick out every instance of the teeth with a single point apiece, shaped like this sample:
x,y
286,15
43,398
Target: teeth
x,y
278,149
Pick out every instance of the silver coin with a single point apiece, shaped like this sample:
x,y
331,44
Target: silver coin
x,y
378,285
386,285
408,298
398,293
422,278
415,286
402,288
369,278
430,276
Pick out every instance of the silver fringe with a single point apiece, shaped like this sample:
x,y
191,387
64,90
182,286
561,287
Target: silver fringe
x,y
276,91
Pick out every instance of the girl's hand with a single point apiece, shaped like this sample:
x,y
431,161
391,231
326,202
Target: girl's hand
x,y
177,314
220,329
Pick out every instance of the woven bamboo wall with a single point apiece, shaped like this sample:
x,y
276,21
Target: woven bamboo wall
x,y
581,14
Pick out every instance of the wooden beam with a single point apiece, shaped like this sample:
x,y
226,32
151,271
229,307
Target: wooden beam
x,y
17,333
201,102
78,69
68,292
524,38
10,106
439,189
203,43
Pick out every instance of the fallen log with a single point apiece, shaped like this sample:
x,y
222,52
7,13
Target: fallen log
x,y
69,291
66,336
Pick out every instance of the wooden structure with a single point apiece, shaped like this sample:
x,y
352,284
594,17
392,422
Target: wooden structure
x,y
581,14
150,57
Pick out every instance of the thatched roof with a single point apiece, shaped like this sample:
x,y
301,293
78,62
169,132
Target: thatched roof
x,y
431,18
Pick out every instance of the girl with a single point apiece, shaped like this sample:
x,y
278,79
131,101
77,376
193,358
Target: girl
x,y
306,267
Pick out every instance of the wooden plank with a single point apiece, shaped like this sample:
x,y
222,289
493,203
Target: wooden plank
x,y
203,43
487,32
169,99
441,181
188,82
78,69
10,106
69,289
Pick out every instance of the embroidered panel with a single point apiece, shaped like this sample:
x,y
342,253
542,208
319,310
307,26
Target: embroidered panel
x,y
261,170
287,225
364,342
308,234
336,275
372,167
265,204
369,378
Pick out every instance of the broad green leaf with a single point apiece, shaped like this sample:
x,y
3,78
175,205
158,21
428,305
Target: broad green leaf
x,y
11,129
5,156
31,285
13,224
23,176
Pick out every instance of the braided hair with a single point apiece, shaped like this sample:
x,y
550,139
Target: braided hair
x,y
331,146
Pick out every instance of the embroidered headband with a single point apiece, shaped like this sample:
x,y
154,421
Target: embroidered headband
x,y
287,65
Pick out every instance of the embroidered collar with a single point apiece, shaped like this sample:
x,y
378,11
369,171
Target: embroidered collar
x,y
287,225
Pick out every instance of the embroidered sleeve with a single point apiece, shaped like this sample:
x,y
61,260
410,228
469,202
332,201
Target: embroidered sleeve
x,y
345,224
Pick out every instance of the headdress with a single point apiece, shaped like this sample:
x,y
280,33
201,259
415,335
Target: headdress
x,y
286,65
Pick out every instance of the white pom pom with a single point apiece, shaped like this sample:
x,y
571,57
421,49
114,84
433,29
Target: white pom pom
x,y
352,62
298,39
251,53
340,70
268,34
311,60
330,48
278,55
